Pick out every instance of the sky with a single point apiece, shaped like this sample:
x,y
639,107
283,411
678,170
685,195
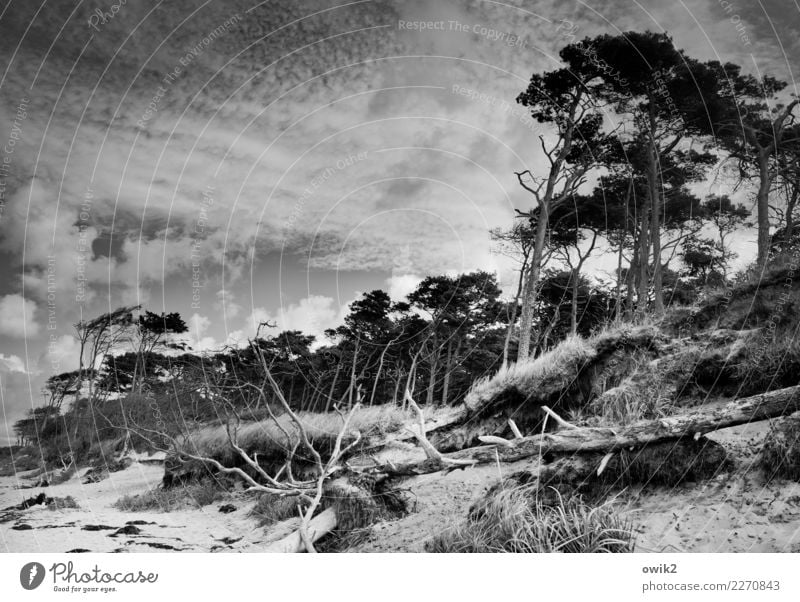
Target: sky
x,y
240,161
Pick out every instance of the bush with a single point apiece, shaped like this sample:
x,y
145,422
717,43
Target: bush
x,y
196,495
516,520
780,453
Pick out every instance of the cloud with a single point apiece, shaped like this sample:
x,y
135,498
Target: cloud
x,y
312,315
16,396
401,286
12,363
226,303
17,316
63,354
198,327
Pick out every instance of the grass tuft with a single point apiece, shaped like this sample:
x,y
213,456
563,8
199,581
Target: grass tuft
x,y
195,495
271,508
515,520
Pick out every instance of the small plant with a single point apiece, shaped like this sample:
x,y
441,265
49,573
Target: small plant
x,y
516,520
780,454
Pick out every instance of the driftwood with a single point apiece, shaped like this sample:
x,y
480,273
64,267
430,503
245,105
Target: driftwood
x,y
322,524
606,440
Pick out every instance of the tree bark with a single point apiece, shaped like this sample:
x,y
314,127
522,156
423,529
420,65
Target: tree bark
x,y
762,206
643,276
513,318
434,365
655,227
447,371
333,387
531,280
320,525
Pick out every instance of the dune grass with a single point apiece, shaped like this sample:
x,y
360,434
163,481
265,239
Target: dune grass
x,y
515,520
557,371
642,395
273,440
195,495
553,370
270,509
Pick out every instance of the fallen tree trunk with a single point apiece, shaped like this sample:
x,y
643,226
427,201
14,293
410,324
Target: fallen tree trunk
x,y
583,440
319,526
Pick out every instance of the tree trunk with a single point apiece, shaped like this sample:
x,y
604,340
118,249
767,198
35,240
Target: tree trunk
x,y
655,226
762,206
630,280
573,310
434,361
333,387
322,524
597,439
790,211
352,388
380,368
397,382
447,371
529,293
554,175
513,318
623,234
644,259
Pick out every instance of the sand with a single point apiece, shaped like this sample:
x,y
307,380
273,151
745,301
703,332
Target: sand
x,y
200,530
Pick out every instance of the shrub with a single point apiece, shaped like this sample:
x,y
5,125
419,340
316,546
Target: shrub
x,y
514,520
780,453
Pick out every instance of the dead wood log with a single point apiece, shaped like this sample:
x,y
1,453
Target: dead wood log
x,y
604,440
433,424
319,526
